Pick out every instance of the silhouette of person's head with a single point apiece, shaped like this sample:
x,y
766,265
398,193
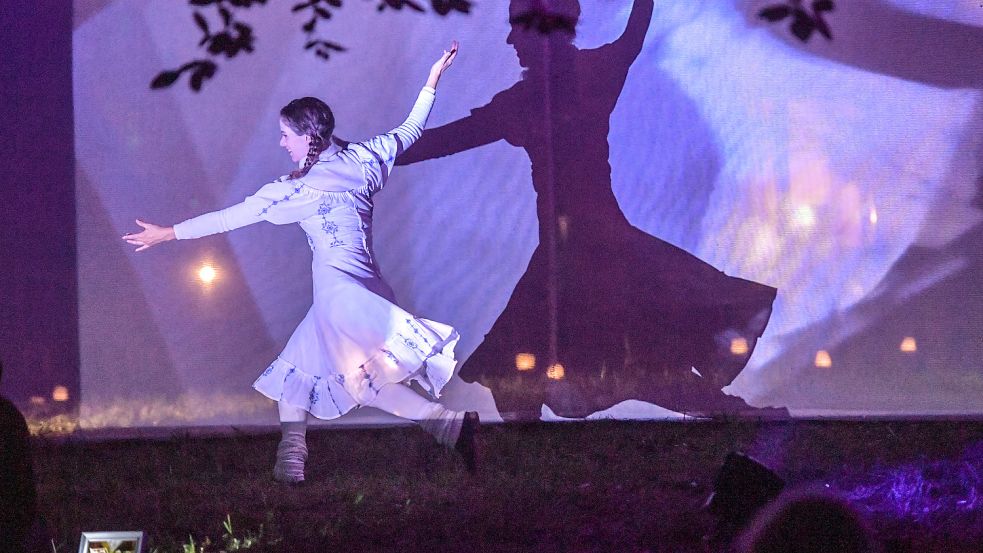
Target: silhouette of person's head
x,y
807,521
18,493
538,23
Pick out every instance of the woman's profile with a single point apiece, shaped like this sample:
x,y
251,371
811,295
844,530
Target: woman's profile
x,y
355,347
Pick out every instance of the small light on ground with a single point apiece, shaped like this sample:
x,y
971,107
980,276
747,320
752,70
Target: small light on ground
x,y
823,360
525,361
873,215
555,372
60,393
908,345
738,346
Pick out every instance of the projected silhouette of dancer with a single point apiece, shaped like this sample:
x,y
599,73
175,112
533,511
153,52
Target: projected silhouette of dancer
x,y
625,314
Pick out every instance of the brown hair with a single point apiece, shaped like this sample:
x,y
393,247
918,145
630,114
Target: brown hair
x,y
312,117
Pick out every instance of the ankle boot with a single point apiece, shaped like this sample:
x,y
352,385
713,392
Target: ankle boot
x,y
291,455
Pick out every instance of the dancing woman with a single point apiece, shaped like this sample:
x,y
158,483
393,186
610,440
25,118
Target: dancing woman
x,y
355,347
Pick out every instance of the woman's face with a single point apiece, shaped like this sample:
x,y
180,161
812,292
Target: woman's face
x,y
296,145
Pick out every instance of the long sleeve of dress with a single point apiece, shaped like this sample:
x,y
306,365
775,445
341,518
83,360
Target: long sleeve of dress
x,y
378,154
279,202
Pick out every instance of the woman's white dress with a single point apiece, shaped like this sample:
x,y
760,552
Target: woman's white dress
x,y
354,339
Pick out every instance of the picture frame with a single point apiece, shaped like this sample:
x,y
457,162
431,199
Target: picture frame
x,y
111,542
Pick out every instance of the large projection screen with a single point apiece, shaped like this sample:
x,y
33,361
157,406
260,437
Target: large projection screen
x,y
843,175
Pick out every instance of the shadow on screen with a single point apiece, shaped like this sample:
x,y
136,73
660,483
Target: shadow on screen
x,y
604,312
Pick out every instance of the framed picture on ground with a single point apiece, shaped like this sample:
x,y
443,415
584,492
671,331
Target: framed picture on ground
x,y
111,542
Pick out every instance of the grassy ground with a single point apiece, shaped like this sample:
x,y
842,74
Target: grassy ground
x,y
603,486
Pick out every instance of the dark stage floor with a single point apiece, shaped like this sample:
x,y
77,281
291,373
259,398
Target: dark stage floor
x,y
598,486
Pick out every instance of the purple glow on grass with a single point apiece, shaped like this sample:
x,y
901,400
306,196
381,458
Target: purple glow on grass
x,y
925,493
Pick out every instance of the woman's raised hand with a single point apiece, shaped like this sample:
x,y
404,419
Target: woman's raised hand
x,y
442,64
150,236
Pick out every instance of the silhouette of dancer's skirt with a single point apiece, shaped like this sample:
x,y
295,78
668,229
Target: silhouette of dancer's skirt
x,y
636,318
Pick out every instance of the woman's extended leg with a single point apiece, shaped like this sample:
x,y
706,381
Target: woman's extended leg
x,y
291,454
451,428
398,399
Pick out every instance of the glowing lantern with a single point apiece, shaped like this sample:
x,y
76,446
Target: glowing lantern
x,y
60,393
738,346
823,360
525,361
207,274
555,372
908,345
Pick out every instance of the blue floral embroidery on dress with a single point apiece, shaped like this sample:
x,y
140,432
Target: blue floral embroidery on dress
x,y
310,242
367,377
333,402
269,370
409,343
416,330
391,356
329,227
314,396
296,190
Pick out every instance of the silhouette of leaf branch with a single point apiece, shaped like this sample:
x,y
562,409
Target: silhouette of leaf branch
x,y
803,21
323,48
225,35
200,71
441,7
444,7
320,10
230,38
399,4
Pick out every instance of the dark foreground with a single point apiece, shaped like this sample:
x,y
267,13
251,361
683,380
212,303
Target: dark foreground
x,y
602,486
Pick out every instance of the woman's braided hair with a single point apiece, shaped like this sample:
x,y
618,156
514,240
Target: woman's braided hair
x,y
312,117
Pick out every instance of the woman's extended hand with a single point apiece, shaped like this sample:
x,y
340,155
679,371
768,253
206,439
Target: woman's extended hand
x,y
150,236
442,64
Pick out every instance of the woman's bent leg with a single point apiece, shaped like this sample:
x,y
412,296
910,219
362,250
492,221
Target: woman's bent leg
x,y
291,454
289,413
443,424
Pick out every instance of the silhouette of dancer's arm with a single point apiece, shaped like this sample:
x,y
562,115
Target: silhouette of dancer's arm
x,y
609,64
475,130
629,44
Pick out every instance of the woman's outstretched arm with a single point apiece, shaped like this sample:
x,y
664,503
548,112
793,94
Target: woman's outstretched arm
x,y
378,154
279,202
411,129
223,220
150,236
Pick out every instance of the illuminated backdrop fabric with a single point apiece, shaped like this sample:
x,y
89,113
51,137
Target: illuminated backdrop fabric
x,y
844,175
